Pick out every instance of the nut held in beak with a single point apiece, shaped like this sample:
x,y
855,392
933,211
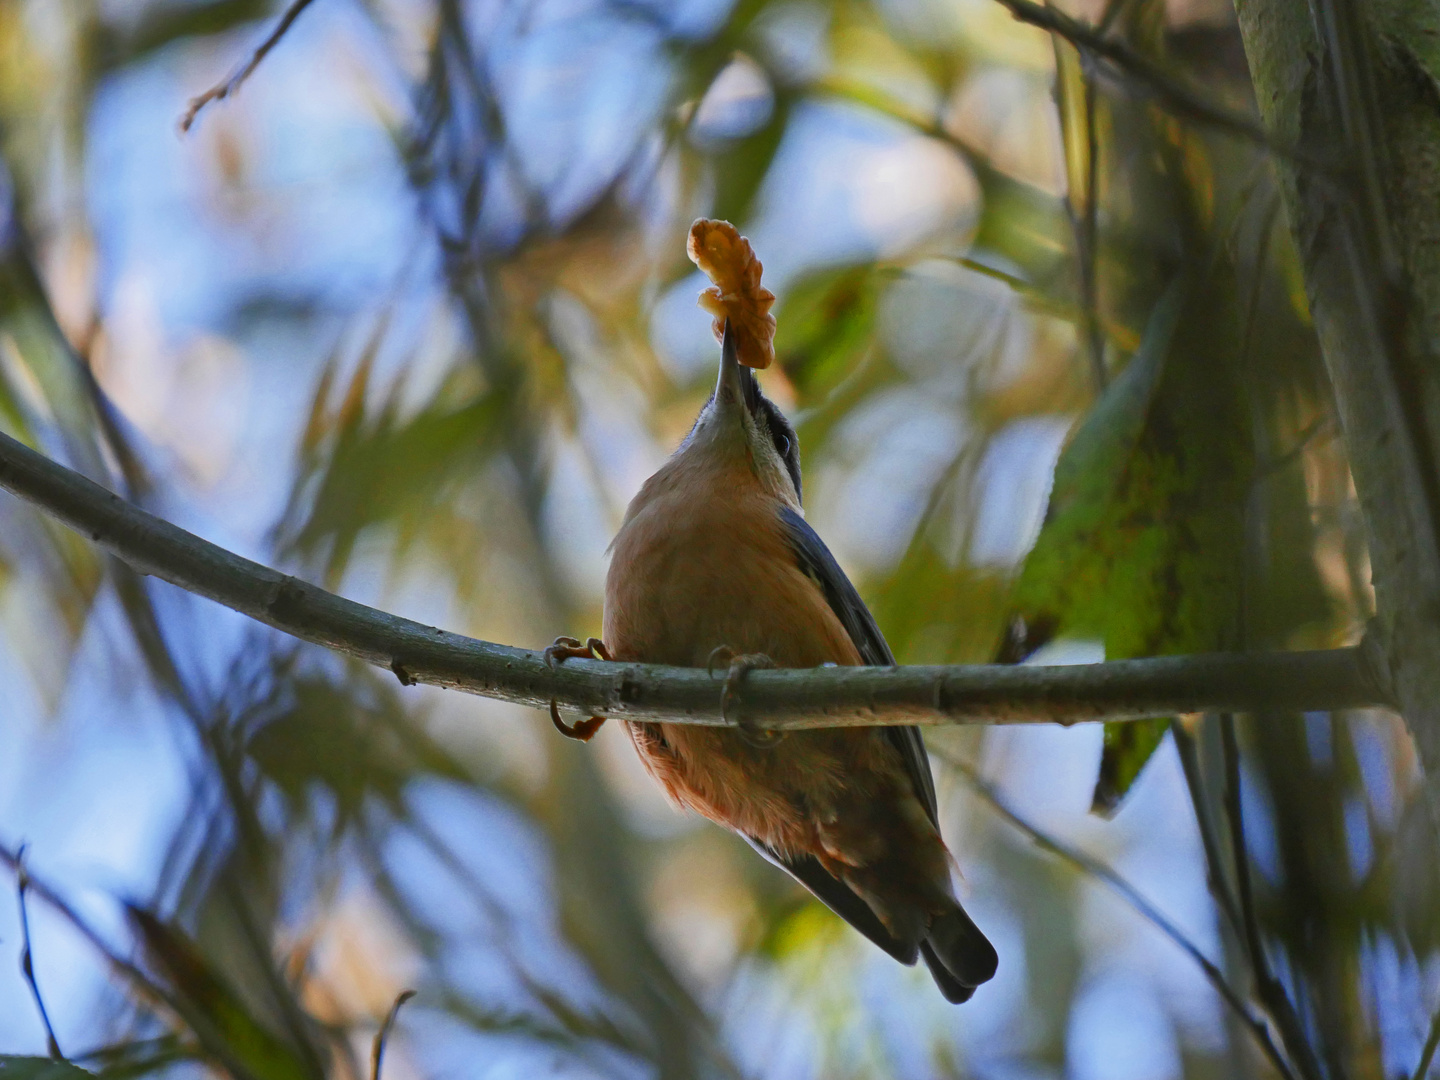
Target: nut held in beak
x,y
729,261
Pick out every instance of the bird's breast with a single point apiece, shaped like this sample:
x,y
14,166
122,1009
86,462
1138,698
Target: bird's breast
x,y
692,571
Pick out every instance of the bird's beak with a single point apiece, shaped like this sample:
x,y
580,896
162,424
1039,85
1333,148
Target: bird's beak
x,y
730,387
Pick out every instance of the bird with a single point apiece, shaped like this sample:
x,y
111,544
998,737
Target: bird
x,y
714,559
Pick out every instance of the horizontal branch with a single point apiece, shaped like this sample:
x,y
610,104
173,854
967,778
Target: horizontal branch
x,y
782,699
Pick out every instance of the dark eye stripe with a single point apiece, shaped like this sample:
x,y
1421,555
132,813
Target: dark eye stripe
x,y
782,435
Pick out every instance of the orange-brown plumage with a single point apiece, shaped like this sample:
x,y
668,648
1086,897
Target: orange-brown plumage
x,y
707,559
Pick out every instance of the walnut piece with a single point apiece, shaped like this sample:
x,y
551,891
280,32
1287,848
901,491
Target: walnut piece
x,y
728,260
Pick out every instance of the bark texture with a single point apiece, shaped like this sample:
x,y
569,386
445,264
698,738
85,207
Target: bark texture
x,y
1351,83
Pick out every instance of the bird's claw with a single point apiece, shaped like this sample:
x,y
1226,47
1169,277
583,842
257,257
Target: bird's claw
x,y
563,648
560,650
722,654
581,730
741,665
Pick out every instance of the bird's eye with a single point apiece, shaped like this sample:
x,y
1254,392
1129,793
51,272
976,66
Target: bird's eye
x,y
782,444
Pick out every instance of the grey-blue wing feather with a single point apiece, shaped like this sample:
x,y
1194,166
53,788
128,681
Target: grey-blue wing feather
x,y
836,895
820,565
956,952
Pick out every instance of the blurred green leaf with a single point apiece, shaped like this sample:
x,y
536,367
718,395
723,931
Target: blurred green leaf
x,y
917,603
140,1057
354,744
741,167
1024,225
1144,534
357,471
210,1007
39,1068
826,322
161,24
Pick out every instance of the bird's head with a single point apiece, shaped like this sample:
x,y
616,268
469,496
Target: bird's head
x,y
740,420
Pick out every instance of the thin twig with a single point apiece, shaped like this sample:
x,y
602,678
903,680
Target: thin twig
x,y
1113,10
27,963
780,699
1271,993
1083,212
377,1049
142,982
1141,70
1205,823
1428,1054
1132,896
226,87
1090,231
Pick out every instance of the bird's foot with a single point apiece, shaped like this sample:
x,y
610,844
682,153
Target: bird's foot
x,y
560,650
740,665
581,730
563,648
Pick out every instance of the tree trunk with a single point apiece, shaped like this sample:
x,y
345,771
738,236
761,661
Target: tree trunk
x,y
1348,85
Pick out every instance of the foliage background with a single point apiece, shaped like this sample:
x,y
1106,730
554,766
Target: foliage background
x,y
410,316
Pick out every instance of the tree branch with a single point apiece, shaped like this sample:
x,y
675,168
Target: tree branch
x,y
779,699
1088,864
1144,73
228,86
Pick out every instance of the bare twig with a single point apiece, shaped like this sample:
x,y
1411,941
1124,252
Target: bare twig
x,y
377,1049
1132,896
142,982
1427,1055
228,86
1081,207
779,699
1145,73
1205,823
1268,988
27,962
1113,10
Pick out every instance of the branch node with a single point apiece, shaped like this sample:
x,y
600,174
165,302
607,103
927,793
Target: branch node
x,y
406,679
1374,659
27,962
628,687
286,597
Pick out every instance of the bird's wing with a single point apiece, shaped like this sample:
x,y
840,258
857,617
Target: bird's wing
x,y
820,565
836,895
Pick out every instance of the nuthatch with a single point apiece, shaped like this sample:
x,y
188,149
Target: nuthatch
x,y
715,558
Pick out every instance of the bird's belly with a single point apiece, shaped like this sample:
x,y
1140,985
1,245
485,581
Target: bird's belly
x,y
798,796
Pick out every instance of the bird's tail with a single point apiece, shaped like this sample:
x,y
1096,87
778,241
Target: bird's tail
x,y
958,955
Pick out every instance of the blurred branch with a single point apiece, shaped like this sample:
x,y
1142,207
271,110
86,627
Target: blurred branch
x,y
1268,988
142,983
1132,896
1082,206
27,956
1427,1055
226,87
1139,69
1326,78
781,699
1188,752
377,1051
